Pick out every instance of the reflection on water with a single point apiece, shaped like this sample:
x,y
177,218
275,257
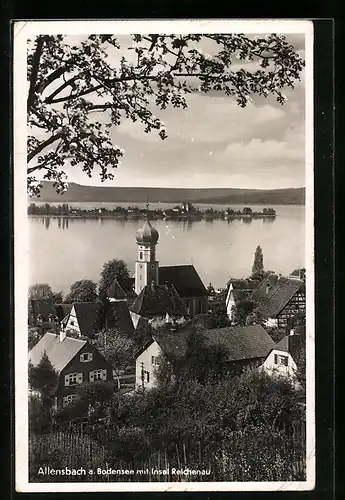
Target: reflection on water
x,y
218,249
268,220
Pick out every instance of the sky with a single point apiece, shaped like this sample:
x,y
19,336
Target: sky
x,y
216,143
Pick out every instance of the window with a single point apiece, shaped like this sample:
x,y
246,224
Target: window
x,y
154,360
96,375
67,400
71,322
86,357
147,376
141,255
279,359
73,379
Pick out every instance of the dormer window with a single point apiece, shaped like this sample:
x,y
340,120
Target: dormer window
x,y
86,357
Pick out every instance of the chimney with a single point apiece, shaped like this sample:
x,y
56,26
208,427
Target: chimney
x,y
294,343
268,286
62,334
292,332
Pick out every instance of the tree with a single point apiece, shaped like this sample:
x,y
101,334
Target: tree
x,y
82,291
57,297
258,264
70,84
117,349
40,291
43,377
111,270
241,311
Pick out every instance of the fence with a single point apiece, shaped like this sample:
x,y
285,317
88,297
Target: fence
x,y
241,456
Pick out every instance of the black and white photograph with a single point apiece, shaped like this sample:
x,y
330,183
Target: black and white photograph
x,y
164,303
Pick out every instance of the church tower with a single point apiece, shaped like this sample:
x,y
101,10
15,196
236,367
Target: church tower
x,y
146,265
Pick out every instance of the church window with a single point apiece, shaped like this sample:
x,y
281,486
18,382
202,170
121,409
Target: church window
x,y
141,255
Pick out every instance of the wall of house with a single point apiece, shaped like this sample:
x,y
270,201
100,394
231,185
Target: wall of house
x,y
135,318
72,323
271,322
230,304
196,305
271,367
146,358
77,366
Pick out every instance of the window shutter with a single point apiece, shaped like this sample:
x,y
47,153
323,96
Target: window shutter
x,y
90,356
82,358
80,378
104,374
92,376
66,380
152,360
275,359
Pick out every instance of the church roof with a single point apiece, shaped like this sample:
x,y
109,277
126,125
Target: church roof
x,y
185,279
158,300
147,233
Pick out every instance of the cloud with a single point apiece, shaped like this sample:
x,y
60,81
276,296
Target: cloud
x,y
207,120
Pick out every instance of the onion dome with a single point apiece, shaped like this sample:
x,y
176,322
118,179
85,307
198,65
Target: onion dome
x,y
147,234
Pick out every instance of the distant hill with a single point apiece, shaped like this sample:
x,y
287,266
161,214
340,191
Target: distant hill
x,y
78,193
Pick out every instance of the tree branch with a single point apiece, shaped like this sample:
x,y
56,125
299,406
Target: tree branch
x,y
51,78
43,145
34,70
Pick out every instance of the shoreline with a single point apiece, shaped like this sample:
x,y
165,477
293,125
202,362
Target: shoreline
x,y
153,218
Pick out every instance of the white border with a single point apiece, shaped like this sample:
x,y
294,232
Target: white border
x,y
23,31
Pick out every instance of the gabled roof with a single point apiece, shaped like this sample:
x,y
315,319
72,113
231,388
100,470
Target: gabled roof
x,y
243,284
115,291
241,342
59,353
86,313
185,279
62,310
283,344
118,316
43,307
274,293
160,299
127,285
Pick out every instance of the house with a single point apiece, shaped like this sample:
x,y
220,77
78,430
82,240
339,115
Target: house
x,y
122,289
81,319
297,274
280,360
62,310
277,299
188,285
118,317
244,346
238,290
41,310
75,360
158,304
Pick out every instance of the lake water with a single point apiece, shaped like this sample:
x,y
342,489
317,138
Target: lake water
x,y
63,251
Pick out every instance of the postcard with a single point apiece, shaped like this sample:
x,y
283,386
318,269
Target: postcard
x,y
164,241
